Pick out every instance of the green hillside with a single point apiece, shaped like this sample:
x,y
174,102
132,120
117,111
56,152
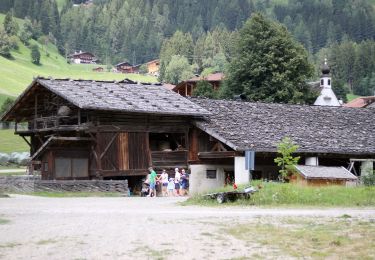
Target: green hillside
x,y
17,73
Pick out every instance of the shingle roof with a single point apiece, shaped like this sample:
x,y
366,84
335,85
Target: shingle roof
x,y
323,172
123,96
316,129
361,102
211,77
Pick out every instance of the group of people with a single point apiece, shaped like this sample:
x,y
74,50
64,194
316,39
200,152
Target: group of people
x,y
177,186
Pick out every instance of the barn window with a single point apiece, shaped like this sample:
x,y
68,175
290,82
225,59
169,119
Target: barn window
x,y
71,167
211,174
329,82
322,82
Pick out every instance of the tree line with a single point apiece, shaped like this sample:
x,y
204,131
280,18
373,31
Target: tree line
x,y
199,36
135,29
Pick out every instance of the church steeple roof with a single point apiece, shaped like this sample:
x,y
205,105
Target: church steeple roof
x,y
325,68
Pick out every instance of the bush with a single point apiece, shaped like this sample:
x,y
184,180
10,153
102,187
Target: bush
x,y
204,89
369,180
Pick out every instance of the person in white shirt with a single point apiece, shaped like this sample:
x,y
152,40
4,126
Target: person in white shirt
x,y
164,182
177,178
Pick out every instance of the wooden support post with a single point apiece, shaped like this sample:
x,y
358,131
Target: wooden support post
x,y
35,110
79,116
98,158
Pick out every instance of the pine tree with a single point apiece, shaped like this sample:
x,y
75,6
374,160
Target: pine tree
x,y
10,26
4,43
35,54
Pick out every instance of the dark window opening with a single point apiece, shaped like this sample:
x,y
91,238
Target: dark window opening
x,y
167,141
322,82
329,82
211,174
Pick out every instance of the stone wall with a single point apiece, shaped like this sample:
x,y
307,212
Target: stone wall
x,y
26,184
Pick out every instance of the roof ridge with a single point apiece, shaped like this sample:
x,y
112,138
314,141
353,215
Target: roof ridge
x,y
126,80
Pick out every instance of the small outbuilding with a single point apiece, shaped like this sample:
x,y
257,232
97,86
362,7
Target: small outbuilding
x,y
323,175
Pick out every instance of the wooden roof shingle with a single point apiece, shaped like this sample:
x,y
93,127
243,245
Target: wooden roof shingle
x,y
316,129
124,96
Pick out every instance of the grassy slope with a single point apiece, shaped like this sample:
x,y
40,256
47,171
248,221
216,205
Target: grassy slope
x,y
9,142
17,73
350,96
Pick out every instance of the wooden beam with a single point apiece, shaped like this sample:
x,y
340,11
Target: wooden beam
x,y
216,155
135,172
35,110
23,137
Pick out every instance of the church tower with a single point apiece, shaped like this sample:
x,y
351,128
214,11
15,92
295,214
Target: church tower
x,y
327,97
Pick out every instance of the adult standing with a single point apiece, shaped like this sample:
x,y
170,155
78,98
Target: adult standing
x,y
177,178
152,182
184,182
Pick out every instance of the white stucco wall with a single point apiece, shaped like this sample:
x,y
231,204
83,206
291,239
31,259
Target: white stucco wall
x,y
198,180
241,175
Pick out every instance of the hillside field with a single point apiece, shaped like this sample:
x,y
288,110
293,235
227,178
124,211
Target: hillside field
x,y
18,72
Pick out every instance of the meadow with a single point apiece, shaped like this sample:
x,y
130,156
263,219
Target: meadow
x,y
285,194
17,72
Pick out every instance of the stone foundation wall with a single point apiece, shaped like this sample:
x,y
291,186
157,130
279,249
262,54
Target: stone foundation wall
x,y
24,184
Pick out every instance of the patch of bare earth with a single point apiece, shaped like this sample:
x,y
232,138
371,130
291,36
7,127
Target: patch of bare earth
x,y
159,228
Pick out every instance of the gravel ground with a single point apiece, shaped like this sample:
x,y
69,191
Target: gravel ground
x,y
132,228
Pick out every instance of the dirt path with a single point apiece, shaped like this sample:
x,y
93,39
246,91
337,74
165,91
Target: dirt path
x,y
134,228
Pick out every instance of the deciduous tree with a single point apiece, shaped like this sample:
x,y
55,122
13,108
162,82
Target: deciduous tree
x,y
269,65
178,70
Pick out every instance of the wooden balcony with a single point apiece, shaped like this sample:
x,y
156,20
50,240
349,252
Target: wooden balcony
x,y
63,123
169,159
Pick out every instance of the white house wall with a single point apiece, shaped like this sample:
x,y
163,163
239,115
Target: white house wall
x,y
241,175
200,183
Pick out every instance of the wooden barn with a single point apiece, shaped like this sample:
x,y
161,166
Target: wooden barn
x,y
82,129
153,67
186,88
126,67
97,129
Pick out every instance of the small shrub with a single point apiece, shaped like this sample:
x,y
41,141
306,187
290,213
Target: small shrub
x,y
286,160
369,179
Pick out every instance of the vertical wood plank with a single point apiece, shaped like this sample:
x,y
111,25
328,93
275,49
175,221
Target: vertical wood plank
x,y
193,145
123,151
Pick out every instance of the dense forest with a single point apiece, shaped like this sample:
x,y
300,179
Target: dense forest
x,y
141,30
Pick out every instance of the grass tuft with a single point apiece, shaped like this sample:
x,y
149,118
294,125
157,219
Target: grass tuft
x,y
4,221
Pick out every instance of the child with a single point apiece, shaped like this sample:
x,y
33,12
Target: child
x,y
164,182
171,187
